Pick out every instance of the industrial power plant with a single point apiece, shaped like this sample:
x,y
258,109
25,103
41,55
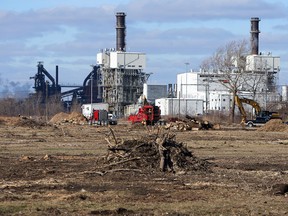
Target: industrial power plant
x,y
205,91
119,79
213,141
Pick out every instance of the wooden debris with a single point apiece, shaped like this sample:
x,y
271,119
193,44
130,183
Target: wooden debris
x,y
189,123
157,151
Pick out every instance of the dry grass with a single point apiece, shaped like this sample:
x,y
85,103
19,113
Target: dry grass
x,y
248,163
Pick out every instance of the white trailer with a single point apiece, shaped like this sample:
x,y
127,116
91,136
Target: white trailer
x,y
182,106
87,109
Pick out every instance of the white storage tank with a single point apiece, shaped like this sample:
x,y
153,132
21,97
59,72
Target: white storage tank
x,y
284,92
182,106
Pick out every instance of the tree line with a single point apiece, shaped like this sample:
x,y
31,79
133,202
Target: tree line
x,y
34,106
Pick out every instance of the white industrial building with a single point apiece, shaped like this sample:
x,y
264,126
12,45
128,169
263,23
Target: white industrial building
x,y
201,92
258,83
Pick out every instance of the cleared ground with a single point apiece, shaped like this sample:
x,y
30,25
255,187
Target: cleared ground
x,y
59,170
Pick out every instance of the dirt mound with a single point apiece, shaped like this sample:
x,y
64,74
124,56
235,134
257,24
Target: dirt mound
x,y
8,120
22,121
74,118
59,117
153,153
32,123
274,125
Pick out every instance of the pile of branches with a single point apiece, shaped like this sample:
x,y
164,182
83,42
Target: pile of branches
x,y
154,152
188,123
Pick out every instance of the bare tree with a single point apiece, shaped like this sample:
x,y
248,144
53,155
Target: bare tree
x,y
75,106
253,82
52,106
31,106
229,62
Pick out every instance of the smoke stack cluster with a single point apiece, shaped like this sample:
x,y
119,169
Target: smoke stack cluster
x,y
120,31
255,35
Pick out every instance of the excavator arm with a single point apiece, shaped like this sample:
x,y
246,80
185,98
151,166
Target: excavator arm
x,y
241,109
239,102
253,103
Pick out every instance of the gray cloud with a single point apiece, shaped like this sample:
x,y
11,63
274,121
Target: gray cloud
x,y
171,32
179,10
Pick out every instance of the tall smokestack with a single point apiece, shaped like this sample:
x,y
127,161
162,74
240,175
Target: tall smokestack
x,y
255,35
56,76
120,31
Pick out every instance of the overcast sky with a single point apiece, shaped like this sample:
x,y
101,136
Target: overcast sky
x,y
69,33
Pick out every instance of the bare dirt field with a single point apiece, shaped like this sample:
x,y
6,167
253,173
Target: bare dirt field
x,y
75,169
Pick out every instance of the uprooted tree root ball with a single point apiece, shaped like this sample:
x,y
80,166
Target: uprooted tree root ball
x,y
151,153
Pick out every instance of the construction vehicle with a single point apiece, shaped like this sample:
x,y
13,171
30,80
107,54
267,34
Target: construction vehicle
x,y
239,102
87,109
112,119
258,121
147,115
99,117
261,116
97,113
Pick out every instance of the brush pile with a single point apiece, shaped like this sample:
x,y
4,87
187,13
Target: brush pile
x,y
154,152
190,123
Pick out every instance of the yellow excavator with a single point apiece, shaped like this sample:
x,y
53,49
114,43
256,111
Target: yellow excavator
x,y
258,112
239,102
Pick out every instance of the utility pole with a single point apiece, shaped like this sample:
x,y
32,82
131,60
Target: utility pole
x,y
186,89
46,101
91,93
186,63
179,103
266,88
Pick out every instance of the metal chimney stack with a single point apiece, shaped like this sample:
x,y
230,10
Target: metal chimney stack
x,y
255,35
120,31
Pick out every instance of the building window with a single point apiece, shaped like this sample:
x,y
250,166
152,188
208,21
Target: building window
x,y
224,99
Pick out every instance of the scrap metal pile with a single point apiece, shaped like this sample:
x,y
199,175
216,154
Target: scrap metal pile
x,y
151,153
